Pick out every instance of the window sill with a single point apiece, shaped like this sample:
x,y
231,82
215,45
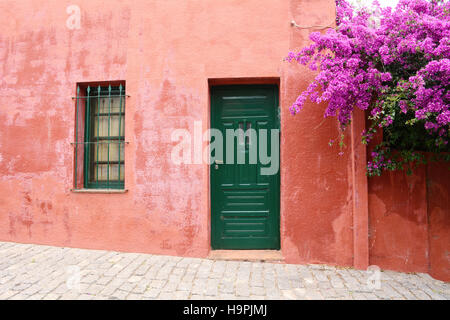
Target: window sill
x,y
99,190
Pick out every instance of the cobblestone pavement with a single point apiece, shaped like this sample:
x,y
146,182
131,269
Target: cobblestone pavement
x,y
43,272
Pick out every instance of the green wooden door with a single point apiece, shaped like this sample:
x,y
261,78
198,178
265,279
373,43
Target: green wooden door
x,y
244,202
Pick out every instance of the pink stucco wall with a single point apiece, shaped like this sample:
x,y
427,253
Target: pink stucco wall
x,y
169,53
409,221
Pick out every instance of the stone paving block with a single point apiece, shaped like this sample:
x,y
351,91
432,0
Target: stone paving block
x,y
181,295
362,296
324,285
85,296
94,289
289,294
178,271
406,293
52,296
242,289
127,286
19,296
104,281
89,279
61,289
390,291
320,276
343,294
185,285
254,297
34,289
313,295
120,295
134,279
212,287
283,283
257,283
141,287
174,278
337,283
226,287
198,288
151,293
166,296
69,296
421,295
300,293
259,291
8,294
134,296
142,269
330,293
113,271
20,286
371,296
171,286
187,278
36,297
226,296
157,284
432,293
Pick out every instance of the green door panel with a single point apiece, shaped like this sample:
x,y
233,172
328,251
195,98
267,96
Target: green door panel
x,y
244,204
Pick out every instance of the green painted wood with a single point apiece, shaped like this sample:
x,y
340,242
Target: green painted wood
x,y
245,205
76,138
87,145
93,140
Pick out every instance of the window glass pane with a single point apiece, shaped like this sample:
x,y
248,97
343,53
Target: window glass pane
x,y
102,171
104,105
115,104
113,152
100,126
115,126
114,172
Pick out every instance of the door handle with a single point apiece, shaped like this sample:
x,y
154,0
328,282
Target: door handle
x,y
217,162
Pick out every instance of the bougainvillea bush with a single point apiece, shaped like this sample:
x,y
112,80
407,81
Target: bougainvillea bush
x,y
393,63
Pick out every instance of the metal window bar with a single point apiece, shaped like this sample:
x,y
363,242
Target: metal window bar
x,y
96,137
98,129
86,136
109,134
120,130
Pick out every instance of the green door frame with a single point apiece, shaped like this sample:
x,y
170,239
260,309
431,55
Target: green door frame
x,y
276,183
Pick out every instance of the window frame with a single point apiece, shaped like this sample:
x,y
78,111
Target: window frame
x,y
98,92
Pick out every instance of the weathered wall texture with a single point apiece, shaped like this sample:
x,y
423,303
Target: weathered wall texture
x,y
410,222
166,51
315,188
438,209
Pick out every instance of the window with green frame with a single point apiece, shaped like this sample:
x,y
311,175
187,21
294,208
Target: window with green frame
x,y
104,156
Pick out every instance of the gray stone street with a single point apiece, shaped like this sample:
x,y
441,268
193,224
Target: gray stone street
x,y
44,272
